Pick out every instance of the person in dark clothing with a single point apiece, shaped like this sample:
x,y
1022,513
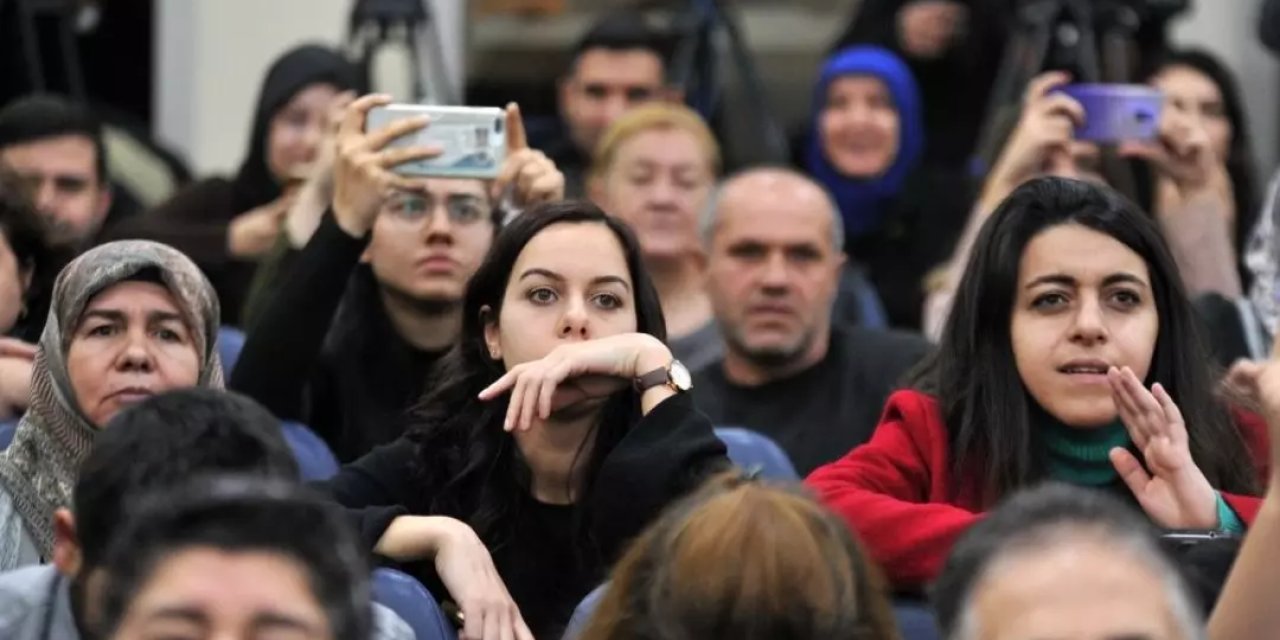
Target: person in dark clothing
x,y
56,147
347,339
559,427
1199,86
28,263
788,371
901,219
225,225
28,266
618,64
953,48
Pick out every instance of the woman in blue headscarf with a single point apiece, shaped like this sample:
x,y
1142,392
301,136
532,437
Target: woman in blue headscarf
x,y
865,147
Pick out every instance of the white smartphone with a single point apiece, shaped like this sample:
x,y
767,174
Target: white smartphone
x,y
474,139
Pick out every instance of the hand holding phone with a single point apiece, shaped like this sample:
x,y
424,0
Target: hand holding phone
x,y
472,140
362,169
1115,113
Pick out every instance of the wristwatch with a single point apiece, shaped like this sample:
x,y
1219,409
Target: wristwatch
x,y
675,376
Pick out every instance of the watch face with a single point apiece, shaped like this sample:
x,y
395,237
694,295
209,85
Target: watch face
x,y
680,376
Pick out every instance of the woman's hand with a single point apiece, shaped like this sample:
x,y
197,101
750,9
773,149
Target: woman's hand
x,y
362,173
316,192
1171,488
530,175
574,372
1258,384
466,569
253,233
1185,165
1046,127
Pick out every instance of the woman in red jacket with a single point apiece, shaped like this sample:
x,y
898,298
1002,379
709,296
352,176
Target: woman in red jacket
x,y
1071,354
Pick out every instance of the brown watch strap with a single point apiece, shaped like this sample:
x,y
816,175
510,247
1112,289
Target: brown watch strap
x,y
659,376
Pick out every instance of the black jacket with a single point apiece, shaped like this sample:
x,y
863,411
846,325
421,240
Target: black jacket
x,y
196,220
324,353
665,455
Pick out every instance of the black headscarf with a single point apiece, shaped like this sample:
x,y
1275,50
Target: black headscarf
x,y
294,71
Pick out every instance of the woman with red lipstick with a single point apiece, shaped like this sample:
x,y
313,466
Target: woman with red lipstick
x,y
1070,355
128,320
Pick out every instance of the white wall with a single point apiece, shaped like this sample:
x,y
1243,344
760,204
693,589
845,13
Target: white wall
x,y
211,56
1229,29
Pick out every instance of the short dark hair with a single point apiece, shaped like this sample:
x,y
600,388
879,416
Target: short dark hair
x,y
166,440
1036,519
621,31
39,116
243,514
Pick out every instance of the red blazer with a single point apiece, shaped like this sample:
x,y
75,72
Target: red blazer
x,y
894,491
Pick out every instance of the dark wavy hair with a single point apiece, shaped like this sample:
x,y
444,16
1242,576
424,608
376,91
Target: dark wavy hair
x,y
1240,165
472,466
986,406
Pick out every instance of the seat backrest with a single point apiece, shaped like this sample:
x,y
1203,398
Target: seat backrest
x,y
230,342
411,601
756,452
7,430
583,613
315,460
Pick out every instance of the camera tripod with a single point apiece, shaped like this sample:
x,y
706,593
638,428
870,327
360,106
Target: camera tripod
x,y
1094,40
411,23
697,68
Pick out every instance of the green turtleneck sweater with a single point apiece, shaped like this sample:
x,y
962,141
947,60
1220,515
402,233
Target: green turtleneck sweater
x,y
1082,457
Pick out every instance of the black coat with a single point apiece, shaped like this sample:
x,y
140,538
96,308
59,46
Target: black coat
x,y
324,353
544,563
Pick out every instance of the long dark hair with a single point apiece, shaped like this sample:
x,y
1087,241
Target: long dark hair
x,y
470,465
1240,167
984,402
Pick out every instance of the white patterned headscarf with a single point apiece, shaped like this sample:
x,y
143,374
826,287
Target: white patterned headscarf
x,y
54,437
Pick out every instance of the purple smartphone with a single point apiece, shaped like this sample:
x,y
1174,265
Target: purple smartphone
x,y
1117,112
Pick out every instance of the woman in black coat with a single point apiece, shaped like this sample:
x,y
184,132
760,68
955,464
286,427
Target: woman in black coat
x,y
557,428
226,225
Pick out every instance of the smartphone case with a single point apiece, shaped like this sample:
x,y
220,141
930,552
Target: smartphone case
x,y
474,139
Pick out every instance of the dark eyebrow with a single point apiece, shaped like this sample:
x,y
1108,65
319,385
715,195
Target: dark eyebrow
x,y
164,316
551,275
1068,281
611,279
185,614
110,315
272,620
1123,278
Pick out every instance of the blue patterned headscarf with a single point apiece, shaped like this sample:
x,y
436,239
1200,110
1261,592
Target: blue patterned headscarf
x,y
863,202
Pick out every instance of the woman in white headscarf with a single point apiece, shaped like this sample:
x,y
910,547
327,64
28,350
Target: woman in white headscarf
x,y
128,320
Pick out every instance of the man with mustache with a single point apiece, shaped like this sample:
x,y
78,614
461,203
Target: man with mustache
x,y
774,239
